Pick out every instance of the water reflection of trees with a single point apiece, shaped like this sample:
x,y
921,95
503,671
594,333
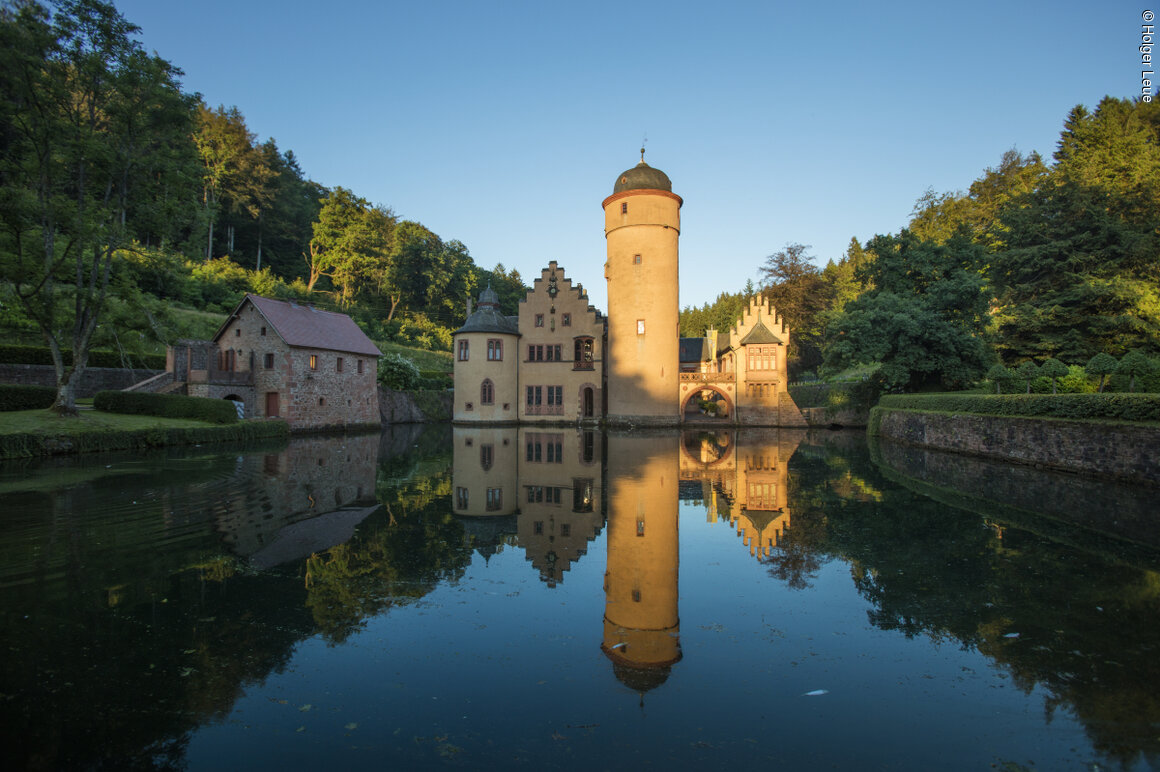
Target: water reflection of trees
x,y
1073,622
129,633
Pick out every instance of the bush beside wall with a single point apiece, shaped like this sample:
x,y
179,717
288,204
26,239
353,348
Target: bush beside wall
x,y
1119,407
218,411
26,397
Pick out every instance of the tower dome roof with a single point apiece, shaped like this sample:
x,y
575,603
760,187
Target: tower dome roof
x,y
642,177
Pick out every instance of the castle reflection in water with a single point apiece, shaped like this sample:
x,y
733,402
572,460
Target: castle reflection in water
x,y
552,492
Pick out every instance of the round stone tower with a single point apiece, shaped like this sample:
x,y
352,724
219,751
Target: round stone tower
x,y
642,225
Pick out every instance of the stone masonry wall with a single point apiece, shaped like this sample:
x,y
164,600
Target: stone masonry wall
x,y
1121,451
321,397
93,379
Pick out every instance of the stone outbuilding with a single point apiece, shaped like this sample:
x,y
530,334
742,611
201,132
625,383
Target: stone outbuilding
x,y
280,359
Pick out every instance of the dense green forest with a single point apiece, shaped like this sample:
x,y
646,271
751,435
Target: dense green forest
x,y
133,213
1036,265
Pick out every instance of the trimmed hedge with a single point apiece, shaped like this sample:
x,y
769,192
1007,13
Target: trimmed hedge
x,y
26,397
12,354
218,411
1121,407
29,445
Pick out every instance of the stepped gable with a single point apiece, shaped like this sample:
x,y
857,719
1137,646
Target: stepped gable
x,y
303,326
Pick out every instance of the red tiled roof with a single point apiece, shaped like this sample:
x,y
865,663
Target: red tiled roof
x,y
306,327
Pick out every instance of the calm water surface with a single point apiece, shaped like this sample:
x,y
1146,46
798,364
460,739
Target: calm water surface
x,y
495,598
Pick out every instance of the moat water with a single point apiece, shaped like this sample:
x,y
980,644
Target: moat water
x,y
506,598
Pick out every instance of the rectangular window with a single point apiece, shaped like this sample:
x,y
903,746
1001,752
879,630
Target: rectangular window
x,y
263,332
566,320
314,361
535,395
360,366
338,365
494,350
238,332
269,361
538,528
463,351
461,498
624,207
565,530
555,395
494,499
636,259
538,494
762,357
539,320
640,326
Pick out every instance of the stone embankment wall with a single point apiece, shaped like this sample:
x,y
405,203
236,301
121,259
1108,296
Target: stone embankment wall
x,y
402,407
846,418
1121,451
93,379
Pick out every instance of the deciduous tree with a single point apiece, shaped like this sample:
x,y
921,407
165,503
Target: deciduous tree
x,y
93,138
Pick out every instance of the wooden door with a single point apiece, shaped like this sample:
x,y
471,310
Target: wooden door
x,y
272,408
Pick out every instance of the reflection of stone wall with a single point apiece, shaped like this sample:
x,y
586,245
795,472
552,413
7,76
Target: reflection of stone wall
x,y
311,477
1123,451
1127,511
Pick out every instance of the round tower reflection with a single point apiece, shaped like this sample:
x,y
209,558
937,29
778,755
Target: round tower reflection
x,y
641,623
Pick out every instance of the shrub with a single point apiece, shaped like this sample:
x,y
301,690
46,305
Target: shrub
x,y
397,372
26,397
1101,365
1123,407
218,411
434,380
1053,369
999,375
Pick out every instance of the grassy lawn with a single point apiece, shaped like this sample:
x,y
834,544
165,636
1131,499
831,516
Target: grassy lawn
x,y
89,421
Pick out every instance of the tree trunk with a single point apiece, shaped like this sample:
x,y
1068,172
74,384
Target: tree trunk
x,y
258,266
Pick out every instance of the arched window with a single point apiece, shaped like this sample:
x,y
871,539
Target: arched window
x,y
582,353
487,392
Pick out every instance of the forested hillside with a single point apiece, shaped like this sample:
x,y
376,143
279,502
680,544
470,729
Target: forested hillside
x,y
1036,262
133,213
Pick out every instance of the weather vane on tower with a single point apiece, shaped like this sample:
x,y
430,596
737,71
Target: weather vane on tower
x,y
642,144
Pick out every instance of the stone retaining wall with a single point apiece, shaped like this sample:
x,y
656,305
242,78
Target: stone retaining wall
x,y
1115,450
93,379
399,407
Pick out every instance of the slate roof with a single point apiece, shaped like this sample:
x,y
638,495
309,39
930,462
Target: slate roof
x,y
489,319
308,327
760,334
693,350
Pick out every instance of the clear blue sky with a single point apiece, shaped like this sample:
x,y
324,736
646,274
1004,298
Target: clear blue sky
x,y
505,124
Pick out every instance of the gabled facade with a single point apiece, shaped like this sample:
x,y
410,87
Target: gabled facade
x,y
543,366
277,359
